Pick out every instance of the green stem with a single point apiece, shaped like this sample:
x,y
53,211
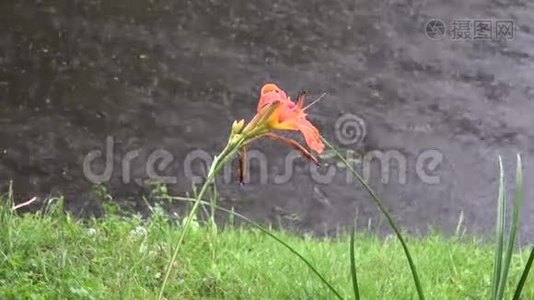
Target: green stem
x,y
388,217
353,266
218,162
524,276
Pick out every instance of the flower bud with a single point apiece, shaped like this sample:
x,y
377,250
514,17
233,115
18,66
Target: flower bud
x,y
237,126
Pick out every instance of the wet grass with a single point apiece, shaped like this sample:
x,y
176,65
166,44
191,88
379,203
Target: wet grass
x,y
50,255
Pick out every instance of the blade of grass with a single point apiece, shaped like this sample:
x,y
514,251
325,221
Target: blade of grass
x,y
516,214
395,228
524,276
10,201
353,267
270,234
8,215
501,209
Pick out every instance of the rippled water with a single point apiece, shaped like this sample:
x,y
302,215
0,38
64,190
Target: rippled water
x,y
173,76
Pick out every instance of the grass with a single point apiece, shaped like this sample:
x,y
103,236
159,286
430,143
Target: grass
x,y
52,255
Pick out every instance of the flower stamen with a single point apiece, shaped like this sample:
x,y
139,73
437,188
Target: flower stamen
x,y
315,101
291,142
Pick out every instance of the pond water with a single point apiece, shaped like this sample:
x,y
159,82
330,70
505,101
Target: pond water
x,y
157,84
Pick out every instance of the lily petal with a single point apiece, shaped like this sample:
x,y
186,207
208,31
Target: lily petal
x,y
311,135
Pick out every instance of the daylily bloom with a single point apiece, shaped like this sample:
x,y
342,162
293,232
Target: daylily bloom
x,y
289,115
276,111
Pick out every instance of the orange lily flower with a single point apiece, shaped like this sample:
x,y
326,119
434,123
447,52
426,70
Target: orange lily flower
x,y
288,115
276,111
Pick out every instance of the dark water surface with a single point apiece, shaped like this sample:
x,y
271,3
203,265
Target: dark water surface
x,y
173,75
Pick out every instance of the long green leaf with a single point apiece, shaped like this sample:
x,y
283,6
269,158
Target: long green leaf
x,y
270,234
353,267
518,201
524,276
395,228
501,210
